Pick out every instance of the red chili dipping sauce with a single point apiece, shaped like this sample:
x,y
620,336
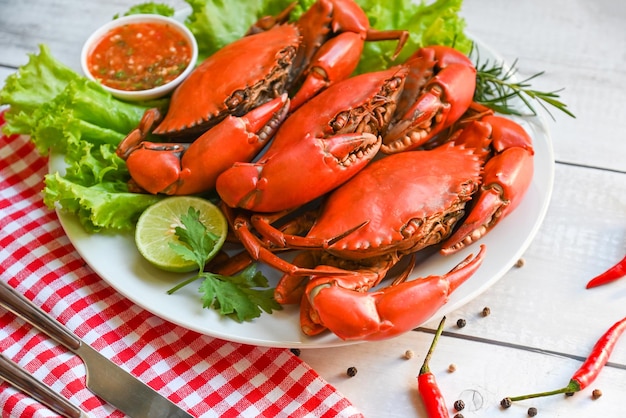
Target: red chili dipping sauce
x,y
139,56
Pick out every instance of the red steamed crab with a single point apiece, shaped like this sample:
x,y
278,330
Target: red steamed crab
x,y
392,208
437,88
322,47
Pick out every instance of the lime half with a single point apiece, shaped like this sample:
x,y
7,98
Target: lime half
x,y
156,229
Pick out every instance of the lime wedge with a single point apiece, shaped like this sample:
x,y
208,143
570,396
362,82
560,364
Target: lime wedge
x,y
156,229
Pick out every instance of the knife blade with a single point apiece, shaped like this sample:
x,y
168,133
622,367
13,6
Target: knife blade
x,y
104,378
22,380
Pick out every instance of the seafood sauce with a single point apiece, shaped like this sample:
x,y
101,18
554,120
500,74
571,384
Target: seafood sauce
x,y
139,56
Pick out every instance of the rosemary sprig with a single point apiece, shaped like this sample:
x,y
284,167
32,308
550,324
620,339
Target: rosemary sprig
x,y
496,87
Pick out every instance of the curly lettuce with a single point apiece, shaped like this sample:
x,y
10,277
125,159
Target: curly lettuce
x,y
434,23
216,23
67,114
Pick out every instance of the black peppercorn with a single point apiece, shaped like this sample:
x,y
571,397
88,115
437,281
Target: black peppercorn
x,y
461,323
351,371
486,311
459,405
458,416
532,411
296,351
505,403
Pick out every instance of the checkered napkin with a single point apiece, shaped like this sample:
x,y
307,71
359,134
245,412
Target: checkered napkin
x,y
205,376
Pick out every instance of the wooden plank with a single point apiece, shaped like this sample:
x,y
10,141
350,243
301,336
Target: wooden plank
x,y
385,384
580,56
4,73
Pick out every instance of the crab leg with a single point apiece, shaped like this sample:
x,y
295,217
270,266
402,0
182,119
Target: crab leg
x,y
280,237
318,264
354,315
258,251
174,168
334,61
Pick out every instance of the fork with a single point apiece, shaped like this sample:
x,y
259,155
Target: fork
x,y
19,378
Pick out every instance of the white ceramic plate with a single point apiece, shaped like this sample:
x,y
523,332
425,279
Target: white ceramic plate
x,y
116,260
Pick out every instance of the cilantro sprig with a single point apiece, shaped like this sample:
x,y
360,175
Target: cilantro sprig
x,y
241,297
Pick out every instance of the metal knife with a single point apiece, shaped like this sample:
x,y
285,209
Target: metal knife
x,y
104,378
20,379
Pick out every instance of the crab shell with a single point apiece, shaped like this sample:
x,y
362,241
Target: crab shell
x,y
406,202
238,77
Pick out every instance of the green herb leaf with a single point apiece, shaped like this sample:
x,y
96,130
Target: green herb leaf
x,y
197,239
497,89
238,297
241,297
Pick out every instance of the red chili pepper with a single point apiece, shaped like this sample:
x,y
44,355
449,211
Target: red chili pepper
x,y
590,369
429,390
612,274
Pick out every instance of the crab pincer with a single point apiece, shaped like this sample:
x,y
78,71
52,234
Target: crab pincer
x,y
183,168
438,91
507,175
376,315
333,33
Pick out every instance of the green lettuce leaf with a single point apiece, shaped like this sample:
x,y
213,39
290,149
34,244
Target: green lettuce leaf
x,y
33,85
149,8
216,23
102,206
67,114
435,23
83,111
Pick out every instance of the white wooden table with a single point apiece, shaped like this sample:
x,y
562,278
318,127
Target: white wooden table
x,y
543,322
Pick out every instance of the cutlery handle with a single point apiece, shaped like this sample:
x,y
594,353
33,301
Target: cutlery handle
x,y
27,383
28,311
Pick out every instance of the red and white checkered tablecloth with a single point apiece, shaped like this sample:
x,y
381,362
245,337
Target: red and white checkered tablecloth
x,y
205,376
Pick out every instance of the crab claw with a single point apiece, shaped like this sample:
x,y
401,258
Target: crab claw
x,y
182,169
506,180
256,186
318,147
333,35
431,103
506,176
354,315
334,61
